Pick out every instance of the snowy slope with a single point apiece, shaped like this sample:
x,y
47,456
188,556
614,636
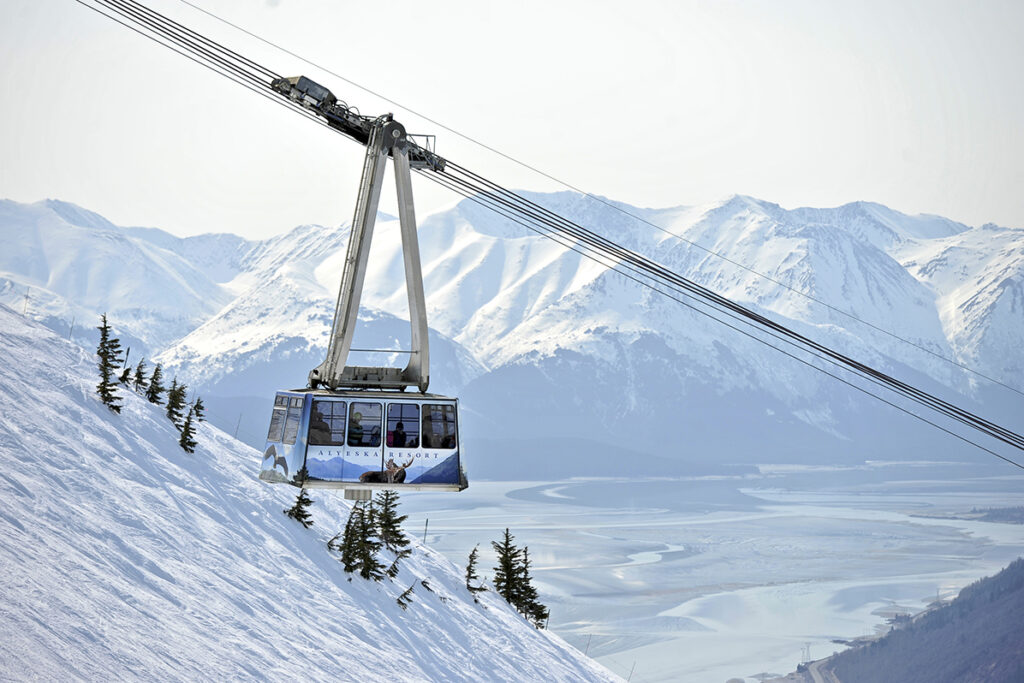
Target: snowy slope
x,y
126,558
74,264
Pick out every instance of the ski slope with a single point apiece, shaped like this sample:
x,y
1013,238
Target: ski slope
x,y
126,558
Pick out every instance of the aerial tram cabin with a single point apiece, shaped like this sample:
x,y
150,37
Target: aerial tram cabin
x,y
356,428
364,440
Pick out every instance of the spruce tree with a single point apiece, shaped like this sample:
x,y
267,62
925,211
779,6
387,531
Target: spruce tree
x,y
527,597
405,598
109,350
156,387
348,539
506,572
199,409
389,526
368,545
175,402
299,512
471,575
139,380
187,432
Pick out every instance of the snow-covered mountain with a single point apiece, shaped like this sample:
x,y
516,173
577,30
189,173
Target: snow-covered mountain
x,y
560,361
126,558
71,263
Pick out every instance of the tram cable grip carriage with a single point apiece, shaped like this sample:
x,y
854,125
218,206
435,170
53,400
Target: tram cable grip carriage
x,y
354,427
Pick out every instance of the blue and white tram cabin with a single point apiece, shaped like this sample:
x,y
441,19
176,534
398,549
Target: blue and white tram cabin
x,y
361,440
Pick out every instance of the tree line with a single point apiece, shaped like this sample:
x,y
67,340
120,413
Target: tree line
x,y
111,380
374,528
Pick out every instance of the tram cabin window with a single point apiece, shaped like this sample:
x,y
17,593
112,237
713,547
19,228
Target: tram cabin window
x,y
327,423
291,425
403,425
439,428
364,424
276,430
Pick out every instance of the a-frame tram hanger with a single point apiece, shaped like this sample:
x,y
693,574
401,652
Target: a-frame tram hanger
x,y
355,427
387,138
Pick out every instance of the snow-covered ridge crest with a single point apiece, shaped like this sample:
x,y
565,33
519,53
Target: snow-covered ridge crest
x,y
511,312
125,558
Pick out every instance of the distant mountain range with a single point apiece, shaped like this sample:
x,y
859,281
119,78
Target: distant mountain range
x,y
563,366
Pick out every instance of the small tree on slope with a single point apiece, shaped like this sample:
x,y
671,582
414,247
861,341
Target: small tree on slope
x,y
139,380
199,409
507,571
471,575
389,526
156,386
109,351
175,402
360,544
527,598
187,432
299,512
368,544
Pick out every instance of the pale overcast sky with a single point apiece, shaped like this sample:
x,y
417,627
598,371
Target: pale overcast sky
x,y
917,105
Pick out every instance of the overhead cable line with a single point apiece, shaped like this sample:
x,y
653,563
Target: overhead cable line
x,y
535,212
604,201
681,298
493,195
560,229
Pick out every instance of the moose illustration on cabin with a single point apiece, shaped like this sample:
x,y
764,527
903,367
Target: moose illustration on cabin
x,y
391,474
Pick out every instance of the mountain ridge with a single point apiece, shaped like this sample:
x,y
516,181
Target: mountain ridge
x,y
502,300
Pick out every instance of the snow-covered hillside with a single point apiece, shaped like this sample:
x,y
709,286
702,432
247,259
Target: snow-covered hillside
x,y
71,263
126,558
554,355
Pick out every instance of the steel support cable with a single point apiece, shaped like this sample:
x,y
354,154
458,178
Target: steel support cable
x,y
582,233
597,257
579,232
597,198
931,401
166,29
487,199
212,44
261,91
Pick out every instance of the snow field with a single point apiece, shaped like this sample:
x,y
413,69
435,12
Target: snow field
x,y
126,558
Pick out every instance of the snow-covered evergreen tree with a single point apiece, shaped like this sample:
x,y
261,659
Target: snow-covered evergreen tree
x,y
360,543
471,575
109,352
299,511
405,599
527,599
389,527
187,442
507,570
369,544
175,402
156,387
139,380
199,409
347,546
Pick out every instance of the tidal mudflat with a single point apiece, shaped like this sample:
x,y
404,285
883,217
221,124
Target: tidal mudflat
x,y
711,578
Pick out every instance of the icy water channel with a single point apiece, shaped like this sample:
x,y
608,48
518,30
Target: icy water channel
x,y
708,579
